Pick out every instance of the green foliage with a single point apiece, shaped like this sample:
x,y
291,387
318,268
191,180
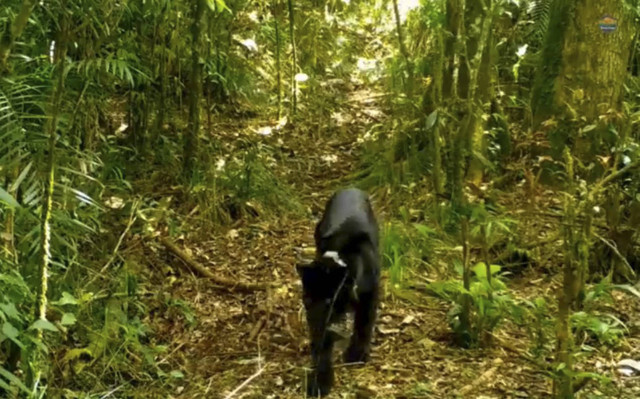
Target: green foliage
x,y
406,250
540,14
539,324
490,305
605,329
597,323
244,186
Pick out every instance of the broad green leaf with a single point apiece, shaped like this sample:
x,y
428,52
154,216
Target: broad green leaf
x,y
480,270
43,324
8,199
4,385
176,374
217,5
424,230
431,119
67,299
9,309
68,319
9,330
13,379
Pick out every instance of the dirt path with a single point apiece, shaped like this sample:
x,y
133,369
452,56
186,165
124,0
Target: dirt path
x,y
237,335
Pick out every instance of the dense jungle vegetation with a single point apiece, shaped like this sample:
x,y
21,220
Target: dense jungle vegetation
x,y
163,165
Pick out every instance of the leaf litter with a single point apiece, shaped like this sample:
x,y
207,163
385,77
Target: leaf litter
x,y
258,341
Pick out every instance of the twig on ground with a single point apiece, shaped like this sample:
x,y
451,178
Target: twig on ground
x,y
171,354
257,328
196,267
114,253
487,376
132,220
246,382
111,392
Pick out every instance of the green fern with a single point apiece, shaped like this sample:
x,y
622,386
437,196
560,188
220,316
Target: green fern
x,y
540,13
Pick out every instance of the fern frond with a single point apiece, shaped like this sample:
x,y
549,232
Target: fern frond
x,y
540,12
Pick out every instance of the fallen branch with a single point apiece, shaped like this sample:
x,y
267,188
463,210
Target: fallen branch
x,y
245,383
114,253
233,285
486,377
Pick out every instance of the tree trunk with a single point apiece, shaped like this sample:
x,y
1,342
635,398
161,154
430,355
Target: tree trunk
x,y
576,261
464,337
60,54
163,32
473,14
595,60
544,85
10,247
584,60
275,11
480,89
193,129
403,50
431,100
452,30
294,55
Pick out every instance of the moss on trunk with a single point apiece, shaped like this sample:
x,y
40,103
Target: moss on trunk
x,y
582,67
550,64
594,62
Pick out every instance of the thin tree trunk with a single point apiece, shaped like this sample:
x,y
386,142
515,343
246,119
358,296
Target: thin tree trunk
x,y
454,10
209,84
294,54
465,315
403,50
275,9
60,54
16,29
219,90
563,384
480,89
430,103
485,258
436,174
164,42
193,130
473,16
10,247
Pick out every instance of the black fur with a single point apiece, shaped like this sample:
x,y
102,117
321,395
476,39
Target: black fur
x,y
349,228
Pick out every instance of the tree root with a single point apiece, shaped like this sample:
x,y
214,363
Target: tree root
x,y
229,284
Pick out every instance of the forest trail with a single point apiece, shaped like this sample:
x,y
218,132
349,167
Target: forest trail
x,y
238,334
154,203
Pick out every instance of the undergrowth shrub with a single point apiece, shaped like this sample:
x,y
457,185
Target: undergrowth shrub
x,y
406,250
243,186
489,305
540,325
